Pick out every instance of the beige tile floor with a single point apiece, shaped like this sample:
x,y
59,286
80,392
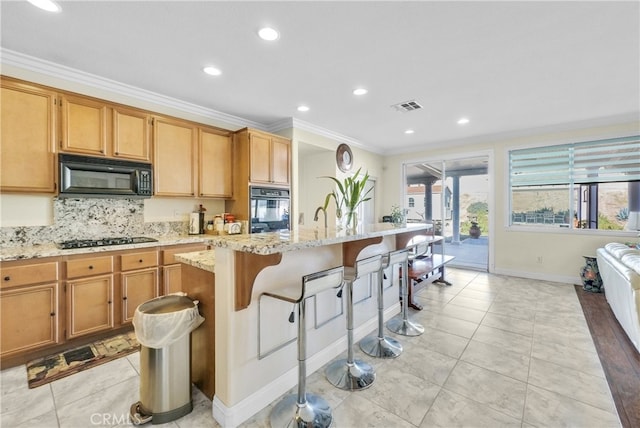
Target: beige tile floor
x,y
497,352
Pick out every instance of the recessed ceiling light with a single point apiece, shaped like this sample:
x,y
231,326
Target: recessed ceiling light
x,y
360,91
268,34
303,108
48,5
409,131
463,121
212,71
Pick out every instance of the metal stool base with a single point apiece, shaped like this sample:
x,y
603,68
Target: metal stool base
x,y
351,377
315,413
385,347
402,326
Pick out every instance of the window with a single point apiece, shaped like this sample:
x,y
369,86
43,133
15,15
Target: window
x,y
412,203
589,185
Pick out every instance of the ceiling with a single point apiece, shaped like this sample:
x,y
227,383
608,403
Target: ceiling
x,y
509,67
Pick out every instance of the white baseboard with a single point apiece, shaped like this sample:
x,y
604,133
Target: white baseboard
x,y
231,417
539,276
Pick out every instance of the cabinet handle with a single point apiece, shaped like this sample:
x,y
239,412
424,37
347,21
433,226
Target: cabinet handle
x,y
90,266
124,298
7,278
53,314
140,260
109,302
116,153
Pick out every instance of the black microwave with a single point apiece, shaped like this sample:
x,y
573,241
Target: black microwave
x,y
101,177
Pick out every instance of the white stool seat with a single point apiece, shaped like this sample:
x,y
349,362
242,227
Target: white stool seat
x,y
351,374
304,409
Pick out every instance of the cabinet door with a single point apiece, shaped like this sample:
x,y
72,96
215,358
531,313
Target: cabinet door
x,y
29,318
89,305
259,158
214,170
131,134
174,150
84,126
280,161
172,276
137,287
28,135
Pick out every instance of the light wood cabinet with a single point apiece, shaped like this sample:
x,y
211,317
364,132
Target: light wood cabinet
x,y
97,128
131,134
89,305
171,268
84,126
28,138
215,164
269,157
174,154
29,307
138,280
89,292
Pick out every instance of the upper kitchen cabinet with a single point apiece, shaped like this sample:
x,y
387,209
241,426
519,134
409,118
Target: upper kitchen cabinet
x,y
174,157
131,131
96,128
28,132
267,156
215,163
84,126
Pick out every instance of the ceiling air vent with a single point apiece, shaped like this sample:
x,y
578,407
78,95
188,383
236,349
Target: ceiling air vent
x,y
407,106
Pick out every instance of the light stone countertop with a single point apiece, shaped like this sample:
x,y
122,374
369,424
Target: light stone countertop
x,y
257,243
280,242
205,260
51,250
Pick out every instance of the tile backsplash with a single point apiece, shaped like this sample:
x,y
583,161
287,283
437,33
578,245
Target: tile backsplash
x,y
91,218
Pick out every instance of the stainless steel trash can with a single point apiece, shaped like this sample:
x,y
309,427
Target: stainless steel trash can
x,y
165,369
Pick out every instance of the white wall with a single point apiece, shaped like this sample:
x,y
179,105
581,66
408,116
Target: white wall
x,y
516,251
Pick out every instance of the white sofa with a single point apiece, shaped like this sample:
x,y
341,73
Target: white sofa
x,y
619,268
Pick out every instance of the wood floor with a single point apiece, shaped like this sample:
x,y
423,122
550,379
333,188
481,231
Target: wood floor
x,y
619,358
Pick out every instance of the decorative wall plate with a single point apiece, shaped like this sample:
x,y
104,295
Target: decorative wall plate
x,y
344,158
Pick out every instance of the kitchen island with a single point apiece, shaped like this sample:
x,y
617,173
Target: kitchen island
x,y
255,356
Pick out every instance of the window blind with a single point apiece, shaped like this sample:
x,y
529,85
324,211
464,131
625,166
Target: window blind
x,y
607,161
616,159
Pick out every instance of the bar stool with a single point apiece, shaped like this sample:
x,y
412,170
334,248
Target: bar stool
x,y
351,374
304,409
382,346
401,324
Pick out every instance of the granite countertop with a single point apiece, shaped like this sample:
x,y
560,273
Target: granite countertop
x,y
280,242
257,243
51,250
205,260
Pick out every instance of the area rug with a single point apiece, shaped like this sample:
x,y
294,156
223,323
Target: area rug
x,y
57,366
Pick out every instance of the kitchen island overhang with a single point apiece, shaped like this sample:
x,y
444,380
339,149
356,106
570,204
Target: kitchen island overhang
x,y
249,373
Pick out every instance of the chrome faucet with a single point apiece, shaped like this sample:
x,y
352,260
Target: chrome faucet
x,y
315,217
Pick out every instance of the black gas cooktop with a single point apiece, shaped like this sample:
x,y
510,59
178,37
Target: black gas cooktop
x,y
85,243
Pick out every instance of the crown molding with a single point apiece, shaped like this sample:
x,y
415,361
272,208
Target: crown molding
x,y
48,68
292,122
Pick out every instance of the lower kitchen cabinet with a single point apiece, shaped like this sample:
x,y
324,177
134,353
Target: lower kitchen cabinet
x,y
56,303
29,306
137,287
29,317
172,270
90,305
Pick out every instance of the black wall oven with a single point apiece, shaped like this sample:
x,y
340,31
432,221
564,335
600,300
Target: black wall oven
x,y
269,209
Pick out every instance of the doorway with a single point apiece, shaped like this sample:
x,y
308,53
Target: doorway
x,y
453,195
